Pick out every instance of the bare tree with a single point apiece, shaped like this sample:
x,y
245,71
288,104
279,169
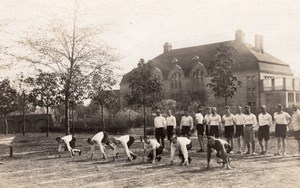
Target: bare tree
x,y
67,51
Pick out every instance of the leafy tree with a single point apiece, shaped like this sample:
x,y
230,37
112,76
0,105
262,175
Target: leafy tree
x,y
45,92
145,87
8,103
68,51
222,68
101,91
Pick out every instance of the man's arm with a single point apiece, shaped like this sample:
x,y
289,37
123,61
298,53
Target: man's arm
x,y
270,120
191,123
175,124
92,150
184,153
154,156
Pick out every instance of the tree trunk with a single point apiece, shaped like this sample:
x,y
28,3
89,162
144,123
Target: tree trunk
x,y
72,118
102,117
145,121
24,115
47,112
6,124
67,126
226,102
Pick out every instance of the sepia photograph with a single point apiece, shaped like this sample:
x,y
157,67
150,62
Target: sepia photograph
x,y
154,94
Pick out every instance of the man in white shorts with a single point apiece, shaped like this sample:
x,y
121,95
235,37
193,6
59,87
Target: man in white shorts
x,y
126,141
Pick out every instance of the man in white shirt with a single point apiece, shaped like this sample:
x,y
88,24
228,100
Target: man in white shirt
x,y
160,124
296,125
206,120
250,123
183,144
200,128
239,121
214,122
186,124
228,122
171,124
155,150
282,120
69,141
264,122
126,141
99,139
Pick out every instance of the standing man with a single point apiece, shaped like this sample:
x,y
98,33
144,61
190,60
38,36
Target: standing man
x,y
214,123
69,141
228,120
99,139
250,123
282,120
184,144
206,120
159,124
126,141
296,125
239,121
171,125
186,124
264,122
200,128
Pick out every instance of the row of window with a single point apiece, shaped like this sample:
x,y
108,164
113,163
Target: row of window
x,y
291,97
198,79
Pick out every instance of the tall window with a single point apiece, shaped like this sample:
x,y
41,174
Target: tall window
x,y
198,78
290,97
176,80
297,97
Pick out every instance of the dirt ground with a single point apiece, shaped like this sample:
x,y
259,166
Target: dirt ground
x,y
36,164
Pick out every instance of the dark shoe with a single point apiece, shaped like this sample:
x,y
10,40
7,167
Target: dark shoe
x,y
248,152
158,159
200,151
80,152
190,160
134,157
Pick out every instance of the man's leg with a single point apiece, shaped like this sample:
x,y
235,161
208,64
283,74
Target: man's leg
x,y
239,144
298,146
278,146
266,146
261,147
283,146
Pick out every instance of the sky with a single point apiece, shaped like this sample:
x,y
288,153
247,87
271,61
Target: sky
x,y
139,28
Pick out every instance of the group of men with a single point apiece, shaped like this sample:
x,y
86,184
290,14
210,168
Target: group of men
x,y
242,126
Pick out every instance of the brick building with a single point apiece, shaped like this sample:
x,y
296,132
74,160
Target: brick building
x,y
265,78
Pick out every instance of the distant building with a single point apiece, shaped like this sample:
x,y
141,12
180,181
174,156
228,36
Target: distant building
x,y
265,79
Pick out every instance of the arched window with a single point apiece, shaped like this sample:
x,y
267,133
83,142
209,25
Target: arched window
x,y
198,76
176,80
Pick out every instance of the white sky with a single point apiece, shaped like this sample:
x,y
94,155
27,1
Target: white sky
x,y
138,29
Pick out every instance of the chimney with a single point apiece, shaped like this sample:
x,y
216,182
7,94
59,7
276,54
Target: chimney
x,y
259,43
240,36
167,47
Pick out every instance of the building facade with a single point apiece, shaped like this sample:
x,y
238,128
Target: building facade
x,y
265,79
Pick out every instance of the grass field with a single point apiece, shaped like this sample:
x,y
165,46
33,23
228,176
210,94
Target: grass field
x,y
35,164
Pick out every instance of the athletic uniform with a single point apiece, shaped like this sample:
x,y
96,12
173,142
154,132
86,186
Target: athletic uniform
x,y
296,123
101,138
126,142
171,126
239,120
69,141
199,123
184,144
228,125
250,122
186,125
281,123
154,145
159,124
264,122
214,122
222,147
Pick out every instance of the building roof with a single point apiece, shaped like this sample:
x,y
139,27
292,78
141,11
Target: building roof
x,y
249,59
